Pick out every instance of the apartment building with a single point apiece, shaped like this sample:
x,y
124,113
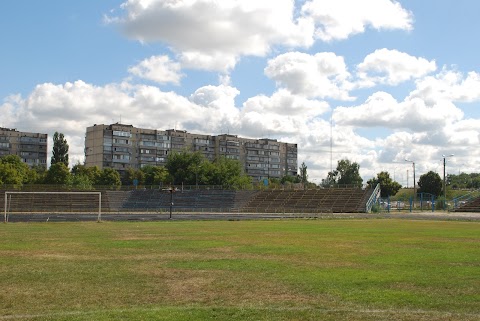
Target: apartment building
x,y
30,147
121,146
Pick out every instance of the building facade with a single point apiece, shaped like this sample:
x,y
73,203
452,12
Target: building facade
x,y
30,147
121,146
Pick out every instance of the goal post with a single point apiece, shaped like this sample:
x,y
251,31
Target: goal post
x,y
52,202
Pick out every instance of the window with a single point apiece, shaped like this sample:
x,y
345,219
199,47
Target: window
x,y
162,145
201,141
121,133
121,141
28,139
163,137
121,157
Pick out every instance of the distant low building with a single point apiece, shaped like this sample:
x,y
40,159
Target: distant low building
x,y
121,146
30,147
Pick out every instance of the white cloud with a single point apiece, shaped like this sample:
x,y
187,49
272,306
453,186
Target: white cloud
x,y
72,107
204,30
392,67
322,75
449,85
159,69
213,61
382,110
339,19
282,114
217,96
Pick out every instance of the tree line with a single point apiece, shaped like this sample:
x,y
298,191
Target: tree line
x,y
347,173
189,168
181,168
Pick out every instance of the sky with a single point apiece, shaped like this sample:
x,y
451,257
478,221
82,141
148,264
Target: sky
x,y
377,82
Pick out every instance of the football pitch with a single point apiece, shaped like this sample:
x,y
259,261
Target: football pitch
x,y
376,269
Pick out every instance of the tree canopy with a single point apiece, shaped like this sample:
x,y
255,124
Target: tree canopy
x,y
388,187
430,183
181,167
109,177
303,174
346,173
464,180
58,173
184,166
60,149
228,173
155,175
13,171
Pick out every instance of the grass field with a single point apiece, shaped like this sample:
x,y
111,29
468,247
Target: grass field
x,y
241,270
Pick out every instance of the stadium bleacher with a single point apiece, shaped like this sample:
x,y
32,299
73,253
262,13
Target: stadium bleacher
x,y
470,206
328,200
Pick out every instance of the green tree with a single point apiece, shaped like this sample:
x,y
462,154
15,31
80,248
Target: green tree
x,y
290,179
37,174
155,175
13,170
464,180
183,166
229,174
388,186
81,181
109,177
58,173
10,175
303,174
430,183
346,173
132,174
93,173
60,149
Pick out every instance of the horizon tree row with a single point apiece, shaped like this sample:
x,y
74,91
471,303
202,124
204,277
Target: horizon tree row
x,y
181,168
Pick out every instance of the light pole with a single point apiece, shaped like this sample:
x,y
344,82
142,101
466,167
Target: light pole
x,y
414,183
445,181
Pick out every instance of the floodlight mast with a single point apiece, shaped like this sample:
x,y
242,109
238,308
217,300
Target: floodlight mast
x,y
445,181
414,183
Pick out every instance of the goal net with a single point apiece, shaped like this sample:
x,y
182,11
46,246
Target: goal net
x,y
54,203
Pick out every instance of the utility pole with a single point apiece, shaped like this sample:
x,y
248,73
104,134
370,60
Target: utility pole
x,y
445,182
414,182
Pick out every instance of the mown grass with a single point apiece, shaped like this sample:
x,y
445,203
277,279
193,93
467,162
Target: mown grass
x,y
244,270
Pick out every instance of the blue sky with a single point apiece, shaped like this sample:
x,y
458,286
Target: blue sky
x,y
401,79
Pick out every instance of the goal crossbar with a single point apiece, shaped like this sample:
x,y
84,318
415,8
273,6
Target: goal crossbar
x,y
7,193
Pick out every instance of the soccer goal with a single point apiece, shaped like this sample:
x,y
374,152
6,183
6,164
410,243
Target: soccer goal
x,y
54,203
